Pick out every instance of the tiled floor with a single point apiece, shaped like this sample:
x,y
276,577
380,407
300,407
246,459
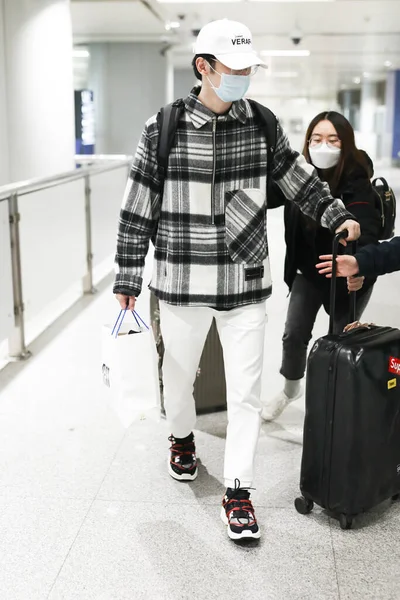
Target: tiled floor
x,y
88,511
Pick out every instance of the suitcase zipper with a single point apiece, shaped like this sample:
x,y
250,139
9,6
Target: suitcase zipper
x,y
330,410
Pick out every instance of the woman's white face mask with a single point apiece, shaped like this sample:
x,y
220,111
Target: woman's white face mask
x,y
324,156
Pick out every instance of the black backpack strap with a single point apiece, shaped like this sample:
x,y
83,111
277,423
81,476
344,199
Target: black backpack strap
x,y
270,124
381,181
167,120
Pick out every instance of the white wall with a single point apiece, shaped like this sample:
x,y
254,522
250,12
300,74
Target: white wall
x,y
97,81
387,143
37,139
4,166
39,87
129,83
184,81
6,302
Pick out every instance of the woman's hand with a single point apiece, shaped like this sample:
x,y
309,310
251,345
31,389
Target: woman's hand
x,y
355,283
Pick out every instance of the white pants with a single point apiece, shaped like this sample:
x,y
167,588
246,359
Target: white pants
x,y
241,330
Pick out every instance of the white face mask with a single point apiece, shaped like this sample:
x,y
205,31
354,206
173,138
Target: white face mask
x,y
232,87
324,156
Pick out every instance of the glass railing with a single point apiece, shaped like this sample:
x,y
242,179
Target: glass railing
x,y
60,237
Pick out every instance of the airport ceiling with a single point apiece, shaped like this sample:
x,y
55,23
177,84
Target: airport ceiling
x,y
343,42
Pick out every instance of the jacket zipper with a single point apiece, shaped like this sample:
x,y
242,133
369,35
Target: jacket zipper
x,y
214,169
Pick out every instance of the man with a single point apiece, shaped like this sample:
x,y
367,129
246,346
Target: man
x,y
370,261
211,252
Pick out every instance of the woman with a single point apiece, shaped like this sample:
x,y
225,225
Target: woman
x,y
330,147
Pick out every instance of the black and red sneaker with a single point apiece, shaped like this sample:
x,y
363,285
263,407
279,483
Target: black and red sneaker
x,y
237,513
182,463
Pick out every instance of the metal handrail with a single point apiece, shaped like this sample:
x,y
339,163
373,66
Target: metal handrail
x,y
11,194
38,184
82,159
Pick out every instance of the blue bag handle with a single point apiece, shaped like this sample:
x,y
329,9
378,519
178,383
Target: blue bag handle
x,y
120,320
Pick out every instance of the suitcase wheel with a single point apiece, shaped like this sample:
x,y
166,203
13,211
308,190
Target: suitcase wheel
x,y
303,505
345,521
395,497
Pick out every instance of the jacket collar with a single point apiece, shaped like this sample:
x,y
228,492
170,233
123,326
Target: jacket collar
x,y
200,115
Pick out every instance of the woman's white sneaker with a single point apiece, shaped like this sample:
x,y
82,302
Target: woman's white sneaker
x,y
273,409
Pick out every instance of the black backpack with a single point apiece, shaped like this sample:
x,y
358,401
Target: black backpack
x,y
168,118
386,205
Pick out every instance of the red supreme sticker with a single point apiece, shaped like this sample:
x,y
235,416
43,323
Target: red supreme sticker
x,y
394,365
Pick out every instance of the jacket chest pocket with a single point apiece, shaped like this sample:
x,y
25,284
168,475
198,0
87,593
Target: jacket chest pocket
x,y
245,225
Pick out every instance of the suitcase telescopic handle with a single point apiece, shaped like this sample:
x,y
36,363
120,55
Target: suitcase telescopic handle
x,y
352,312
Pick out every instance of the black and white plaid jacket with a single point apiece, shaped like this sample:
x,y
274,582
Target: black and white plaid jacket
x,y
211,245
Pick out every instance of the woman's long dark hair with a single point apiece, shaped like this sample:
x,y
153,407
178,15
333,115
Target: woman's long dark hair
x,y
350,156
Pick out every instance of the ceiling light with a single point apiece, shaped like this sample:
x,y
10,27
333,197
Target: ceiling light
x,y
285,53
80,53
388,63
172,25
357,80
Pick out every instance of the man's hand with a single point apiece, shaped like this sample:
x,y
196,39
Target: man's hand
x,y
354,231
355,283
346,266
126,301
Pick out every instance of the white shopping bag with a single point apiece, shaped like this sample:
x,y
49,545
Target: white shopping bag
x,y
130,369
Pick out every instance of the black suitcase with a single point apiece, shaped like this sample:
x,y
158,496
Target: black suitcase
x,y
351,440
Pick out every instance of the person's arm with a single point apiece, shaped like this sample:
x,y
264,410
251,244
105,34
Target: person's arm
x,y
379,260
138,217
300,183
369,261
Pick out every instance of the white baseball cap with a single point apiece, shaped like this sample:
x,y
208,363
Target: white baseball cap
x,y
230,42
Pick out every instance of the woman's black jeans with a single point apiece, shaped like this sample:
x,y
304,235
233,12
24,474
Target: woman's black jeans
x,y
305,302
